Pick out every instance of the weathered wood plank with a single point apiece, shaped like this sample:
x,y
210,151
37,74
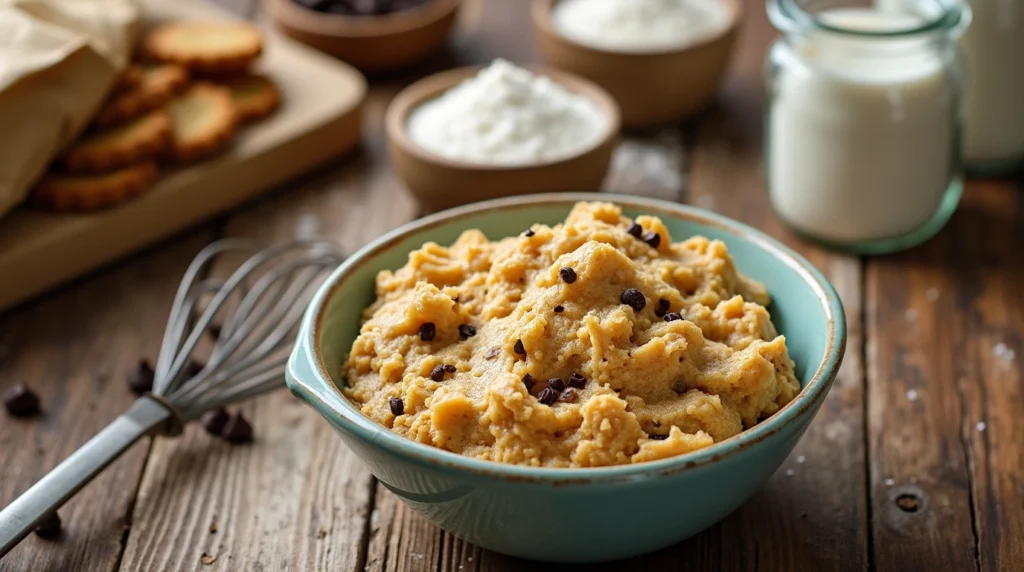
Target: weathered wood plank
x,y
74,347
947,320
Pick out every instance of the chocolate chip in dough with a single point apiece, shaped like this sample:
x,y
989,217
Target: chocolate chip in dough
x,y
653,239
529,232
672,317
449,368
657,437
397,406
559,309
635,229
547,396
467,331
634,299
578,381
567,274
662,309
214,420
679,386
519,348
568,396
21,401
50,528
237,429
140,378
528,382
556,384
427,332
437,374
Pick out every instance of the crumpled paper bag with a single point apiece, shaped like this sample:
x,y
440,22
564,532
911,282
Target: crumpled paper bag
x,y
58,60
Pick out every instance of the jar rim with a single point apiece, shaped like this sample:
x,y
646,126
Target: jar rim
x,y
789,16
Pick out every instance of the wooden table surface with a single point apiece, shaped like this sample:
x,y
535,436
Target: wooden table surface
x,y
915,463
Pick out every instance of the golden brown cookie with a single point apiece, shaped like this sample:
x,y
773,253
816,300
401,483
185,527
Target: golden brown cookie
x,y
205,47
203,120
138,140
157,85
61,192
254,95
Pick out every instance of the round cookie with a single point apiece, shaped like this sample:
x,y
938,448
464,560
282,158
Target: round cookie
x,y
254,95
203,120
63,192
138,140
205,47
156,86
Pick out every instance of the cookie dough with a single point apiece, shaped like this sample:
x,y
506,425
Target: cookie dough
x,y
494,350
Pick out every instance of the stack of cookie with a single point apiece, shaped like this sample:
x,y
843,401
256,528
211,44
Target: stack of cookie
x,y
183,100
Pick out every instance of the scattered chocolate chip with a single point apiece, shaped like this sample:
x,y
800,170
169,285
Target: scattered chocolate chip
x,y
556,384
528,382
437,374
50,527
568,274
492,353
21,401
559,309
449,368
467,331
427,332
662,309
657,437
656,423
679,386
237,429
578,381
529,232
569,396
214,420
672,317
653,239
140,379
634,299
635,229
547,396
455,299
519,348
397,406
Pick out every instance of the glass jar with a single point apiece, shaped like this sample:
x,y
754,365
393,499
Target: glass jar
x,y
863,123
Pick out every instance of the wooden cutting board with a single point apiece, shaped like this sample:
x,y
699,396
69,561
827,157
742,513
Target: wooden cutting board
x,y
320,118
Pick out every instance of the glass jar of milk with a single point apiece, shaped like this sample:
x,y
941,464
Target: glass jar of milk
x,y
864,120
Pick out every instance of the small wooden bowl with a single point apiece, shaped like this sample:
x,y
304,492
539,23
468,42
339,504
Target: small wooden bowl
x,y
439,182
650,87
370,43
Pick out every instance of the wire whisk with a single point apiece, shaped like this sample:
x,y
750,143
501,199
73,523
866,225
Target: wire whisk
x,y
259,306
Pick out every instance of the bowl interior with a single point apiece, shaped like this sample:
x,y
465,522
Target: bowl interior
x,y
804,306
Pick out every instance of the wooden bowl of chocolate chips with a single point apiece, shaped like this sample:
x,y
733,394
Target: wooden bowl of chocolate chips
x,y
372,35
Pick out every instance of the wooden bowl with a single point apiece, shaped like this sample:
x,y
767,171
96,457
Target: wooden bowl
x,y
439,182
651,87
370,43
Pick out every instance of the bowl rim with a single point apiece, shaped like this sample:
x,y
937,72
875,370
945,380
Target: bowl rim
x,y
324,396
340,25
412,96
540,12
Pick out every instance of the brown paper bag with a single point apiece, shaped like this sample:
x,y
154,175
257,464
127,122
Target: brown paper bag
x,y
58,59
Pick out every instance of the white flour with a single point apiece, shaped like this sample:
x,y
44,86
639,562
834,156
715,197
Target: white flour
x,y
506,115
638,25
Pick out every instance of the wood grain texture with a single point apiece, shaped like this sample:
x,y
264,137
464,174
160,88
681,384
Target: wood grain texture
x,y
75,347
945,321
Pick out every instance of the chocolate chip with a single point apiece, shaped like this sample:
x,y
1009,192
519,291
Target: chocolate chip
x,y
569,396
568,274
519,348
50,527
653,239
492,353
634,299
437,374
578,381
427,332
455,299
397,406
556,384
214,420
679,386
140,379
467,331
547,396
21,401
672,317
657,437
662,309
237,429
528,382
635,229
449,368
559,309
529,232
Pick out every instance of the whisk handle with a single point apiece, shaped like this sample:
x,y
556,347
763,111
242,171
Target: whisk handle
x,y
28,510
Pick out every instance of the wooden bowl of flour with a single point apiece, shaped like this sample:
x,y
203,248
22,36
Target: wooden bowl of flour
x,y
439,182
651,87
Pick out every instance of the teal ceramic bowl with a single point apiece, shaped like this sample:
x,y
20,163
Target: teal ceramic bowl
x,y
572,515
